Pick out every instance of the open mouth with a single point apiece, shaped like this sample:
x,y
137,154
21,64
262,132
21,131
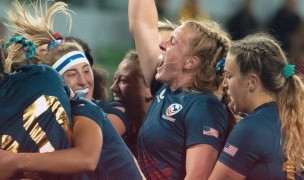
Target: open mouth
x,y
161,61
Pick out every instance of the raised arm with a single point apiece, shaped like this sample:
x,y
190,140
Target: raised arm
x,y
143,24
84,156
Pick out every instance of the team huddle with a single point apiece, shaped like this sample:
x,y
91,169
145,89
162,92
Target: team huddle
x,y
189,103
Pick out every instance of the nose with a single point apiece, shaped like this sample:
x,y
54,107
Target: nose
x,y
114,87
81,80
163,45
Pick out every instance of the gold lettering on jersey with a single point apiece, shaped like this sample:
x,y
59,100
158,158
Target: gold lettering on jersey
x,y
60,114
31,115
9,144
290,170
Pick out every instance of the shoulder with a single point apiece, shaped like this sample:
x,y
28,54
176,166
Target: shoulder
x,y
205,101
43,73
111,107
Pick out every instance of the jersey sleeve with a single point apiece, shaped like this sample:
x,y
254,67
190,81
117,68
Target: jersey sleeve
x,y
245,146
113,107
206,123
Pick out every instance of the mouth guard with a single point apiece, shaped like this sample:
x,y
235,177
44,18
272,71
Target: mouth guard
x,y
85,91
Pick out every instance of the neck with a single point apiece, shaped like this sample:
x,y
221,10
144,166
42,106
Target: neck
x,y
181,81
260,99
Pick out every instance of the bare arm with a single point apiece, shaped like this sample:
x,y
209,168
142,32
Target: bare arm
x,y
143,24
221,171
84,156
117,123
200,161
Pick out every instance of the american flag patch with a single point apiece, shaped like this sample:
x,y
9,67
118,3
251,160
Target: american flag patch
x,y
229,149
210,131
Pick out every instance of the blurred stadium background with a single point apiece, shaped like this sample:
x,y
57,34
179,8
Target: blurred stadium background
x,y
103,24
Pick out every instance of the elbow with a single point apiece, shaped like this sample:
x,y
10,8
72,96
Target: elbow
x,y
90,164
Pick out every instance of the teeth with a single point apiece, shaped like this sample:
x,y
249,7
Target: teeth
x,y
85,91
161,57
116,98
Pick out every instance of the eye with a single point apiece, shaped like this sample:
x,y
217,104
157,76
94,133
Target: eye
x,y
123,81
71,74
86,70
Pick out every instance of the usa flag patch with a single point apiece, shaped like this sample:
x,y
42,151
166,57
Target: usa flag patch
x,y
230,149
210,131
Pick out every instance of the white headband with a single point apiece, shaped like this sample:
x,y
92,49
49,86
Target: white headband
x,y
68,60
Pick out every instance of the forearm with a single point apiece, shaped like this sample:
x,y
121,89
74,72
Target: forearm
x,y
143,24
142,13
84,156
59,162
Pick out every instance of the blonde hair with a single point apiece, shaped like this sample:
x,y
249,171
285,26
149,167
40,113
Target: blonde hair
x,y
38,26
166,25
211,44
14,57
262,55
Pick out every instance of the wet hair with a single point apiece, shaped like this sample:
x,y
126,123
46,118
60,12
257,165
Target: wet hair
x,y
261,54
210,44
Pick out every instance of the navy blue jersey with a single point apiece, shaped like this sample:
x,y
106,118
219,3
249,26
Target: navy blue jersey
x,y
112,107
116,160
35,111
176,121
253,147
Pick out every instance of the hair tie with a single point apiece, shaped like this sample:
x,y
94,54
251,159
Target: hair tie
x,y
29,50
220,65
58,40
54,44
58,36
288,70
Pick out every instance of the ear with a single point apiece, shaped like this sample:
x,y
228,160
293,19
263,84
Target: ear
x,y
192,62
253,81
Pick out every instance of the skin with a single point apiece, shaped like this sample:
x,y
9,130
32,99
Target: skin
x,y
73,160
80,77
177,70
248,93
173,70
130,88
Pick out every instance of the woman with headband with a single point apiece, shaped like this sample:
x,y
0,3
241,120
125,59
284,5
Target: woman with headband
x,y
40,31
115,156
36,113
